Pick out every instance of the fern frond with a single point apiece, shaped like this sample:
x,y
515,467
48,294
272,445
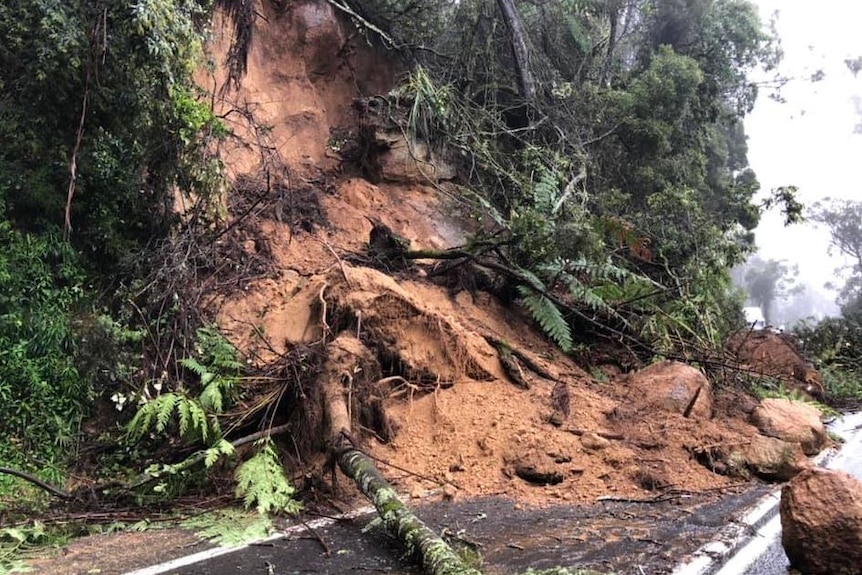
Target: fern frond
x,y
164,407
532,279
155,413
200,424
211,397
194,365
261,482
548,317
545,190
582,293
141,422
184,416
221,447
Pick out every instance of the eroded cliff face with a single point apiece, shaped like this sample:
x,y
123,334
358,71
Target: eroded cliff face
x,y
441,399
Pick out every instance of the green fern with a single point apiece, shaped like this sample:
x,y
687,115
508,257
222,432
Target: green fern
x,y
261,482
194,365
548,316
211,397
156,414
545,190
220,448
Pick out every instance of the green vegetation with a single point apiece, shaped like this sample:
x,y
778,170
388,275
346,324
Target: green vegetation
x,y
102,126
229,527
612,159
836,343
603,150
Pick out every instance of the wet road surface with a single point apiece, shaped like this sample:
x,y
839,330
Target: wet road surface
x,y
628,538
768,557
624,537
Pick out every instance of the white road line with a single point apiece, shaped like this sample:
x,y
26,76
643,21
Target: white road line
x,y
737,539
219,551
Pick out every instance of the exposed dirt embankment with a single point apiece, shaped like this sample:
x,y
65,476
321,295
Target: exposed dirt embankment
x,y
443,399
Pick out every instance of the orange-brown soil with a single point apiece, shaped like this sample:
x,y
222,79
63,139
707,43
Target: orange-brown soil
x,y
460,427
458,417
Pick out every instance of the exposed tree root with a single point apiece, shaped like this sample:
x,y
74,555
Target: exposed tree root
x,y
347,359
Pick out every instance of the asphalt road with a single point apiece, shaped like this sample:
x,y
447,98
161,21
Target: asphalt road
x,y
765,555
623,537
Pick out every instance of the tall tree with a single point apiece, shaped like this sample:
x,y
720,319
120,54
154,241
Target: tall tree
x,y
843,219
767,281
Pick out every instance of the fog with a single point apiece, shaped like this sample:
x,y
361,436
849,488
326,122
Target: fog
x,y
809,140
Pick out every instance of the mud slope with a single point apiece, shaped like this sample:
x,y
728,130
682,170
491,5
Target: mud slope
x,y
453,414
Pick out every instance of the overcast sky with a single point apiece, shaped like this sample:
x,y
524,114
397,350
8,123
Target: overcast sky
x,y
809,140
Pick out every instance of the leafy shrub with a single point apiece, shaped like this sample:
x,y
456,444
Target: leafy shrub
x,y
42,395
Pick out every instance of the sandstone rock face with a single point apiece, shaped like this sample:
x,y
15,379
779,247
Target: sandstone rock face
x,y
821,521
772,458
672,386
792,421
413,162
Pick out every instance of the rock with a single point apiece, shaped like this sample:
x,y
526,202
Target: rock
x,y
672,386
792,421
821,522
772,458
778,356
449,492
593,441
415,162
535,467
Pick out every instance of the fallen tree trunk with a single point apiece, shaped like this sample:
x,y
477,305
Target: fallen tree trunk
x,y
436,555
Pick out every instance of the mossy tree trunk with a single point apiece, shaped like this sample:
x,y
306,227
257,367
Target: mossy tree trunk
x,y
435,554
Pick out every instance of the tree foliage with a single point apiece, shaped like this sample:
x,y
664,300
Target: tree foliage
x,y
843,219
629,154
101,127
767,281
837,342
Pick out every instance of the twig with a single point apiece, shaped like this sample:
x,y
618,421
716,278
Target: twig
x,y
359,19
605,434
407,471
338,259
326,550
660,498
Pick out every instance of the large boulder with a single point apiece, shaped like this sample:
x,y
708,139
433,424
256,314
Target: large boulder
x,y
672,386
821,521
775,459
777,356
791,421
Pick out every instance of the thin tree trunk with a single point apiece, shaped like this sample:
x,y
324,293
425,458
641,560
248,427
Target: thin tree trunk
x,y
612,44
520,47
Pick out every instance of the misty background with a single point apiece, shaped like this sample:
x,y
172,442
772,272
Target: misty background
x,y
809,139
